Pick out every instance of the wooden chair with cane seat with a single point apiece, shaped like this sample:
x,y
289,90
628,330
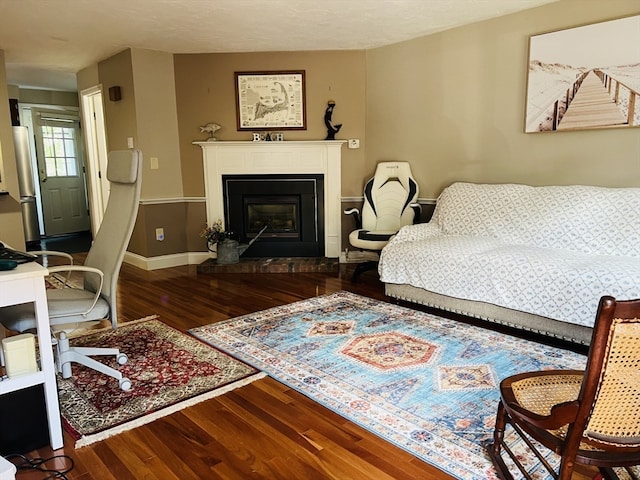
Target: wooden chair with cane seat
x,y
590,417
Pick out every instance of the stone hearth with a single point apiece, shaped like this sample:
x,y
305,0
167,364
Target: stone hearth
x,y
272,265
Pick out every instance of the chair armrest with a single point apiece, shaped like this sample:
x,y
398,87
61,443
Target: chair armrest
x,y
561,414
417,212
84,269
53,253
356,216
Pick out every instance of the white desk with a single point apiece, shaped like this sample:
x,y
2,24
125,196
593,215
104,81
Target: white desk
x,y
22,285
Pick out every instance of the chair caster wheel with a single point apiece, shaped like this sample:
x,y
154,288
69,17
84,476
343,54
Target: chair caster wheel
x,y
122,358
125,384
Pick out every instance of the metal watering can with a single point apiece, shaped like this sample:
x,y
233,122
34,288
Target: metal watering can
x,y
229,251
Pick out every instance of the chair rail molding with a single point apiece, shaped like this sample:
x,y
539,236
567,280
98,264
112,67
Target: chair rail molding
x,y
265,158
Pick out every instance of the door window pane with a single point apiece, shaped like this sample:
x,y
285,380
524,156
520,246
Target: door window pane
x,y
59,151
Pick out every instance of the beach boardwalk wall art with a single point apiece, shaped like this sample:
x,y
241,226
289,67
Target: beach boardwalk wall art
x,y
270,100
585,77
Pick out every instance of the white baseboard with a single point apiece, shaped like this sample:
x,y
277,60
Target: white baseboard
x,y
165,261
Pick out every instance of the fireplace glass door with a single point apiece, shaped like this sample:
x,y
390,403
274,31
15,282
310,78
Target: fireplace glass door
x,y
274,216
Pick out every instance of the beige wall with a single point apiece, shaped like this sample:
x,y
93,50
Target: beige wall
x,y
120,117
157,122
452,104
47,97
10,214
205,93
147,113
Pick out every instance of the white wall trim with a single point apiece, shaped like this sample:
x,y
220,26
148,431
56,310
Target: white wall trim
x,y
165,261
422,201
161,201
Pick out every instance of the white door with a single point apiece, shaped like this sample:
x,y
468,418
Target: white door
x,y
61,174
96,148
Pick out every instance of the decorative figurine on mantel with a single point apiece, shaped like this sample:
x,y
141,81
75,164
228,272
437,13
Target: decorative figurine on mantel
x,y
210,128
331,128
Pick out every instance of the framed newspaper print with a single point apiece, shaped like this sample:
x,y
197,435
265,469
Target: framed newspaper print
x,y
271,100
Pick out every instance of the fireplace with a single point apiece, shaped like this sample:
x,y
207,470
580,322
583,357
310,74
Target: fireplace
x,y
297,158
283,213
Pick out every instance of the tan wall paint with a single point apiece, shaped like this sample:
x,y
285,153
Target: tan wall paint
x,y
172,218
11,230
205,92
88,77
139,242
48,97
452,104
196,220
120,117
157,122
182,223
147,112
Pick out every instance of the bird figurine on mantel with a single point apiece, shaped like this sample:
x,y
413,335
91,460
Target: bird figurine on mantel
x,y
211,129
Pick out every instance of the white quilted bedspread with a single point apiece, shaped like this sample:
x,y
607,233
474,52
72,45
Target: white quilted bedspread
x,y
558,283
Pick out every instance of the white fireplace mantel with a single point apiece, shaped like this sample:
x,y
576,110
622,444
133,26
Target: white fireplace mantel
x,y
264,158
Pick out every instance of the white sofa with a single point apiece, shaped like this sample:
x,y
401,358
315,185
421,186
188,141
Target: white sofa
x,y
535,258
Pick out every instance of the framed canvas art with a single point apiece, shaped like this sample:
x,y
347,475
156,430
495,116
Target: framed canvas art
x,y
585,77
270,100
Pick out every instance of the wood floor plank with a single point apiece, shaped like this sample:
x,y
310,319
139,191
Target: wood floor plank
x,y
266,443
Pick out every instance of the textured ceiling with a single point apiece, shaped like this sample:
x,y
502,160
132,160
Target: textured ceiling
x,y
47,41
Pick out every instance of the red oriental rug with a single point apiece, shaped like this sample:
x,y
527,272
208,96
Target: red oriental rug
x,y
169,370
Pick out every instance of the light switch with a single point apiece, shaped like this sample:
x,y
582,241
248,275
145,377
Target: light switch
x,y
154,163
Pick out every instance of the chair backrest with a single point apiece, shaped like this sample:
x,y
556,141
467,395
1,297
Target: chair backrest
x,y
609,400
388,196
124,172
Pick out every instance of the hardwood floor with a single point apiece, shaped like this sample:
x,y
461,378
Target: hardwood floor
x,y
261,431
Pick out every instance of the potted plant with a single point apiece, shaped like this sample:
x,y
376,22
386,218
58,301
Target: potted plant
x,y
226,248
214,234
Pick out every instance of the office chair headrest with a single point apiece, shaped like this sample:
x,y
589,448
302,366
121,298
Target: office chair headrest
x,y
393,171
122,166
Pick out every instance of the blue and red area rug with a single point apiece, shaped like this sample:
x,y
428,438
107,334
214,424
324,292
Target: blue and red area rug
x,y
424,383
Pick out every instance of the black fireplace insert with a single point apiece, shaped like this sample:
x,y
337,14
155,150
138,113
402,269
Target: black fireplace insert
x,y
287,209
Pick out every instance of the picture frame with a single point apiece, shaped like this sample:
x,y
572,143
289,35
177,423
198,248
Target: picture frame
x,y
584,77
273,100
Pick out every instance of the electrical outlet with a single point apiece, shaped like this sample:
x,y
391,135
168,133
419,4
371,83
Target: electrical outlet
x,y
129,142
160,234
354,143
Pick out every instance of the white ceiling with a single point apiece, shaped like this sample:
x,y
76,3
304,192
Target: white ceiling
x,y
47,41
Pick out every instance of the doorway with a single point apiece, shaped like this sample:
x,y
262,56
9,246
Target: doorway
x,y
57,155
61,173
96,149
